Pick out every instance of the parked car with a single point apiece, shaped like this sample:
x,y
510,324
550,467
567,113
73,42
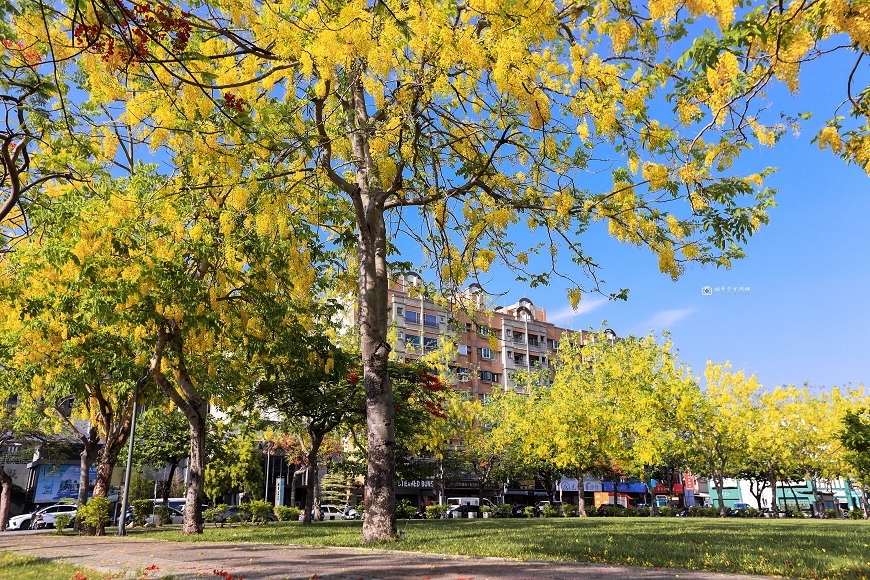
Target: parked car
x,y
328,512
44,518
539,508
349,513
462,511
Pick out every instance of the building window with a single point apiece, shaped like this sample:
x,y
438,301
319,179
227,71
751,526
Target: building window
x,y
413,339
485,353
483,330
486,376
518,337
519,359
467,327
462,374
399,311
496,378
412,317
430,320
486,398
429,343
442,319
463,349
554,344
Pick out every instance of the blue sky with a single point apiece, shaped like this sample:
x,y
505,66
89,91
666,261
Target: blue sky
x,y
805,317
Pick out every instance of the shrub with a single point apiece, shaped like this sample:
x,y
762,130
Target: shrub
x,y
549,511
831,514
286,513
856,514
665,511
571,510
243,515
711,512
94,515
435,512
142,508
642,512
61,521
260,511
752,512
591,511
503,511
529,510
215,514
163,515
405,509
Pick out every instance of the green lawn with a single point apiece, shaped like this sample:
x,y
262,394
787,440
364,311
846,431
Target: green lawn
x,y
25,568
791,548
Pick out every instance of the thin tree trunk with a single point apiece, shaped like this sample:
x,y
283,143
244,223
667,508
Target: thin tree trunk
x,y
316,440
866,502
90,442
774,502
5,497
581,499
167,489
718,480
296,474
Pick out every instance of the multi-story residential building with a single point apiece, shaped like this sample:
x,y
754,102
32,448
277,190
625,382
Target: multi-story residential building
x,y
491,342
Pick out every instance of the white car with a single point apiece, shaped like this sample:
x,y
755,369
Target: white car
x,y
329,512
44,518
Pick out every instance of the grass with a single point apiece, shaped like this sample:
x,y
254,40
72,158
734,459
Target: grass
x,y
835,549
26,568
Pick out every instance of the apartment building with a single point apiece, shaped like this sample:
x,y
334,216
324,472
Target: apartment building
x,y
491,342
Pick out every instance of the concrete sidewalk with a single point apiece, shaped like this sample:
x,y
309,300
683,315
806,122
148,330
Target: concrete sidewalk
x,y
154,559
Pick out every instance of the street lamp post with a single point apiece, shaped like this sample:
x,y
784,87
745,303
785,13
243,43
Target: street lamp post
x,y
122,519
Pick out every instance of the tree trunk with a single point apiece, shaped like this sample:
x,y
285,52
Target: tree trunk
x,y
296,474
90,442
168,487
316,440
106,460
774,503
581,499
193,523
866,502
380,496
195,409
5,497
718,480
318,498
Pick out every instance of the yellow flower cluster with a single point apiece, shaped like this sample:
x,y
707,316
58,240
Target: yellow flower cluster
x,y
720,79
829,137
656,174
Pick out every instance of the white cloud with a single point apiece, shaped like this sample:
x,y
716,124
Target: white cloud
x,y
568,313
664,320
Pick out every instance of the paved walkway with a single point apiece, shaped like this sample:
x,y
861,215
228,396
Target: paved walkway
x,y
154,559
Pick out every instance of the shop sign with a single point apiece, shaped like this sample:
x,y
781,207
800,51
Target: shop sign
x,y
568,484
660,488
591,485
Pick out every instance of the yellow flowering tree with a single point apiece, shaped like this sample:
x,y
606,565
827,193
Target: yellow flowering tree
x,y
447,124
